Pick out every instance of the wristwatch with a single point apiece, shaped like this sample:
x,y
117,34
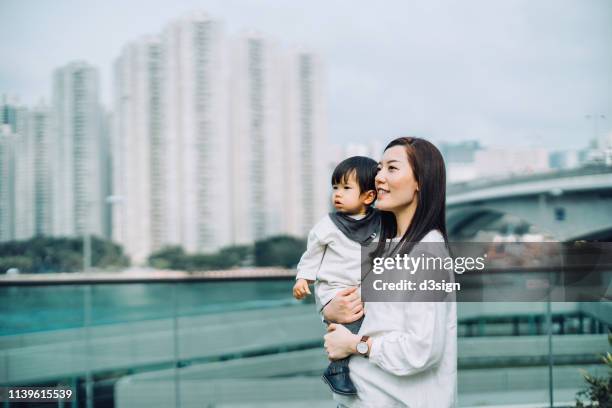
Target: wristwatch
x,y
362,346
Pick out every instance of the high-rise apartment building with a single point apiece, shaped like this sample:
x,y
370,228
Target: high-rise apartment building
x,y
139,159
106,173
7,183
195,107
13,114
256,113
41,136
306,190
77,188
16,172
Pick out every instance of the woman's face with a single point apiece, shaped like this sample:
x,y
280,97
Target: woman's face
x,y
395,182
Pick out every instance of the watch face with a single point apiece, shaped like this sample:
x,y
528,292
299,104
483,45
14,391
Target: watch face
x,y
362,347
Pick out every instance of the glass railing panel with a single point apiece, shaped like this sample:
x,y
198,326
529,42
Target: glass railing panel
x,y
580,340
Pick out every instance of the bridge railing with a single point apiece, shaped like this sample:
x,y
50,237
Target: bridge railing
x,y
462,187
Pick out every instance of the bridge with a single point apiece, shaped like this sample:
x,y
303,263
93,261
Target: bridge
x,y
565,205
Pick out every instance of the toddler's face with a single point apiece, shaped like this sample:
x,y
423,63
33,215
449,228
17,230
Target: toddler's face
x,y
347,197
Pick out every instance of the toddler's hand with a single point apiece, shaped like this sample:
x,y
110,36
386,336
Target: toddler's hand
x,y
300,289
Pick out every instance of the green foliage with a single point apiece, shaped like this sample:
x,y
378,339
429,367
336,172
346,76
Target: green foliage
x,y
276,251
236,255
175,258
48,254
107,253
171,257
279,251
23,263
599,389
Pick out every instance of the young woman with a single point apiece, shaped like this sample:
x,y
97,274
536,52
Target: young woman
x,y
411,354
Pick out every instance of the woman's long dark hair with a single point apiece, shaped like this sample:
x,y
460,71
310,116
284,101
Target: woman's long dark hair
x,y
430,174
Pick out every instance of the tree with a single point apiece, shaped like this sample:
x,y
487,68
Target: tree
x,y
284,251
23,263
175,258
281,250
236,255
171,257
52,254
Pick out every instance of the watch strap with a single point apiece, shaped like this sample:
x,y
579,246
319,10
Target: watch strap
x,y
364,339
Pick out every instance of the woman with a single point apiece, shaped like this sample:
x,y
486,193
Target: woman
x,y
411,355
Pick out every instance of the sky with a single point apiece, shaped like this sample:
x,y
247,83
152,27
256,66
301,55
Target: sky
x,y
506,72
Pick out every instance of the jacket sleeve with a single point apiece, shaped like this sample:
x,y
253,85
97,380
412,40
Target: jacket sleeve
x,y
310,262
419,346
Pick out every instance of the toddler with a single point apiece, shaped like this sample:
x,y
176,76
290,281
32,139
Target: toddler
x,y
333,255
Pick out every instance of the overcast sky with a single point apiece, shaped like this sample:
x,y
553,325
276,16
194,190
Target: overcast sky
x,y
505,72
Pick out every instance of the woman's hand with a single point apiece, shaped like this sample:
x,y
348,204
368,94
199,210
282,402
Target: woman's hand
x,y
345,307
340,342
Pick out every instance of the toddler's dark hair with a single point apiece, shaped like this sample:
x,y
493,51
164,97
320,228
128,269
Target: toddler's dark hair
x,y
365,171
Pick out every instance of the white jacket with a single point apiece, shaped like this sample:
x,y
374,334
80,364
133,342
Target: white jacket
x,y
413,359
332,259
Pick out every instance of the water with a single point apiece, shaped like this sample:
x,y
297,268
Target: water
x,y
26,309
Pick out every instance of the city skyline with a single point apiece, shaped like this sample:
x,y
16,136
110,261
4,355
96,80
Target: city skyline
x,y
214,140
511,73
192,100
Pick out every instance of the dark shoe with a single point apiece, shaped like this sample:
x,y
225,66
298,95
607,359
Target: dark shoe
x,y
339,380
